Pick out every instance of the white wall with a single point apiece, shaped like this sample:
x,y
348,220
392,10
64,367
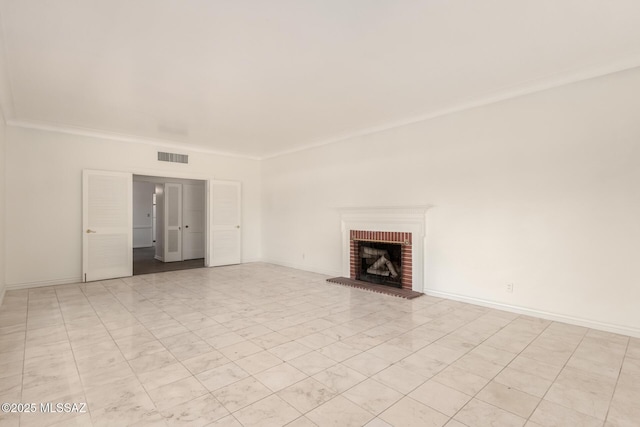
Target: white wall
x,y
44,197
542,191
2,207
143,214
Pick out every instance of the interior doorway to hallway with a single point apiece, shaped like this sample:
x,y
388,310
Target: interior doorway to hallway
x,y
108,226
169,217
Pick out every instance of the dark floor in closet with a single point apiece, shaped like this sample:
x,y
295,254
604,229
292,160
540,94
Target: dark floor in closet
x,y
145,263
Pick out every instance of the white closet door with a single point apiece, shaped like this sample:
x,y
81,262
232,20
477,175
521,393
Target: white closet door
x,y
107,225
173,222
225,219
193,211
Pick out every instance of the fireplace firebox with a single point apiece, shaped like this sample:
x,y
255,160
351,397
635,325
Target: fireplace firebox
x,y
380,263
382,258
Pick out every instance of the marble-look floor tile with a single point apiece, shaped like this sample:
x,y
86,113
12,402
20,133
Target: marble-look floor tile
x,y
115,394
137,409
280,376
258,362
204,362
339,412
524,381
373,396
440,397
367,363
306,394
201,411
478,413
377,422
240,350
411,413
271,411
463,381
302,422
189,347
509,399
289,350
399,378
133,350
181,391
151,362
550,414
228,421
221,376
241,393
339,351
339,378
165,375
312,363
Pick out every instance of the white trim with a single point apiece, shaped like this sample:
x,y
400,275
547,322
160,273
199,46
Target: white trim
x,y
501,94
251,260
303,267
113,136
588,323
39,284
404,219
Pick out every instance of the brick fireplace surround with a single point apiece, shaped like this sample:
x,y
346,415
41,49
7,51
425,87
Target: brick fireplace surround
x,y
404,239
402,224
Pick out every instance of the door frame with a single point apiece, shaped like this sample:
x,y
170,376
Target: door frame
x,y
208,261
207,200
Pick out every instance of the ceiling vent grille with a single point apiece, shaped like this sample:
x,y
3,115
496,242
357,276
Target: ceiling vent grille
x,y
173,157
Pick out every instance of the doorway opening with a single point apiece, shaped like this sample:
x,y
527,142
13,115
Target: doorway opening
x,y
169,217
108,223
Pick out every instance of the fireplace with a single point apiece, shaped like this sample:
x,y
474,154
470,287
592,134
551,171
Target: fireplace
x,y
401,226
381,257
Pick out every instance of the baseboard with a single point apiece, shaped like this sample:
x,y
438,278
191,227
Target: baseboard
x,y
250,260
17,286
593,324
159,258
304,267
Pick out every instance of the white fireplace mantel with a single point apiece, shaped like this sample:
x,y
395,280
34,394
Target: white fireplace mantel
x,y
408,219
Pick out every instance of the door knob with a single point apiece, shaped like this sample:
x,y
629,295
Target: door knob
x,y
90,231
237,226
186,226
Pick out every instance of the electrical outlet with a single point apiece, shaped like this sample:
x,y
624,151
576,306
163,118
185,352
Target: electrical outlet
x,y
509,287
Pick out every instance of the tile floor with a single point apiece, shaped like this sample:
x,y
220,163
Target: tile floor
x,y
262,345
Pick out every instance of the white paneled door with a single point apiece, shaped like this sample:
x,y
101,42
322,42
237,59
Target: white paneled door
x,y
107,225
225,222
193,216
173,222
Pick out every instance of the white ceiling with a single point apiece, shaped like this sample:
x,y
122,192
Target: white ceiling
x,y
260,77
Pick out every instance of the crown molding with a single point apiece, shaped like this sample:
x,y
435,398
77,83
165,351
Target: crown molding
x,y
112,136
503,94
537,85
